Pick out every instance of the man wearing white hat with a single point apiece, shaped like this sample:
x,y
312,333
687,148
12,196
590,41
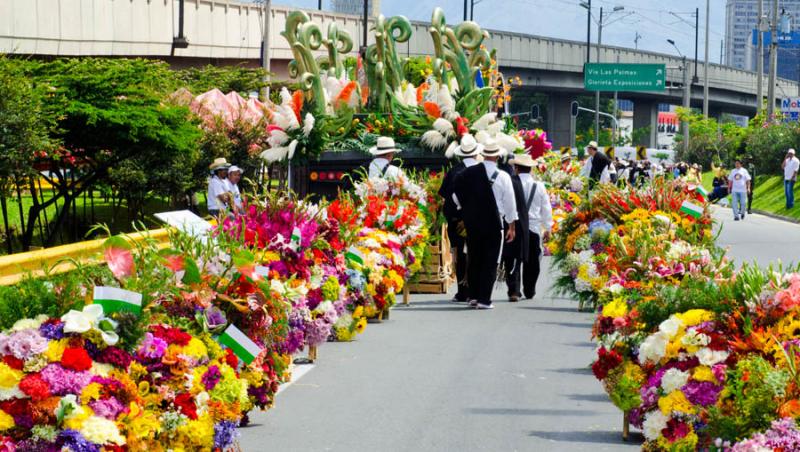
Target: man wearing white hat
x,y
790,166
598,171
217,187
485,196
467,151
381,166
535,221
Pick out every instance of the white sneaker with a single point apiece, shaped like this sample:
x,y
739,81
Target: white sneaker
x,y
473,303
485,306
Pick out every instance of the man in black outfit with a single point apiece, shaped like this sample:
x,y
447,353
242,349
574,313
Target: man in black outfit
x,y
467,150
599,162
485,196
516,252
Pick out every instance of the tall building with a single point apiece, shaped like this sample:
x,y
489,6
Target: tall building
x,y
356,7
741,51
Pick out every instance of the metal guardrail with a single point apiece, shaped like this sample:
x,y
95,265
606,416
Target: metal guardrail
x,y
61,259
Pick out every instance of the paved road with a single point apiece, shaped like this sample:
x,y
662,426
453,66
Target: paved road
x,y
438,377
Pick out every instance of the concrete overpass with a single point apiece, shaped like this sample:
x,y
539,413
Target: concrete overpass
x,y
229,32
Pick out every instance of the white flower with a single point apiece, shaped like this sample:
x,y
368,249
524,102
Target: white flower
x,y
616,288
82,321
670,326
710,357
29,324
100,430
483,122
308,124
693,337
674,379
654,422
653,348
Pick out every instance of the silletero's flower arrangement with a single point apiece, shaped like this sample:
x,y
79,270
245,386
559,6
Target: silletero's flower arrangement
x,y
565,186
379,257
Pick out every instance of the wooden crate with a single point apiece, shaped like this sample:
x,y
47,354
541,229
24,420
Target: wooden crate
x,y
437,272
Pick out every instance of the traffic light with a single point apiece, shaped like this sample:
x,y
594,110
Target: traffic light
x,y
574,108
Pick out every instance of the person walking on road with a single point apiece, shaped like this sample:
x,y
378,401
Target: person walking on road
x,y
467,151
381,166
534,224
790,166
485,196
738,186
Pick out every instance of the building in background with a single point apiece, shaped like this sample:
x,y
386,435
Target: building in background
x,y
356,7
741,50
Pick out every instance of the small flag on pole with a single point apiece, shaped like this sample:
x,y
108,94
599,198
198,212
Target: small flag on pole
x,y
691,209
354,255
242,346
261,271
113,299
296,236
702,192
479,79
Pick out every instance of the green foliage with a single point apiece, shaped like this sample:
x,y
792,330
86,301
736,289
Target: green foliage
x,y
690,294
241,79
767,142
35,296
417,70
709,140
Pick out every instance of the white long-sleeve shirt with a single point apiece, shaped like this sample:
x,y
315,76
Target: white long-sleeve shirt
x,y
503,191
540,215
376,168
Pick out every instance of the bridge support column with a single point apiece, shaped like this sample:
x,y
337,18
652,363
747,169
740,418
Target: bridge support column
x,y
559,119
645,114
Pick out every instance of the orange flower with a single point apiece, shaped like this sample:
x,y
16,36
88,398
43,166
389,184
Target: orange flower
x,y
297,105
432,109
790,409
346,94
421,91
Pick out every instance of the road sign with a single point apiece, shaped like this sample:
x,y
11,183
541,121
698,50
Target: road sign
x,y
565,150
641,153
610,152
624,77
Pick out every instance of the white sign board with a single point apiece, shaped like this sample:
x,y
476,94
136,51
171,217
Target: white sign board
x,y
186,222
790,107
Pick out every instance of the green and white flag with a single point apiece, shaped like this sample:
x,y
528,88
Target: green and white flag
x,y
296,236
691,209
241,345
354,255
702,192
113,299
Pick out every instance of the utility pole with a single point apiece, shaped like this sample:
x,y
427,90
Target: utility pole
x,y
687,92
597,93
614,131
589,32
721,45
697,39
760,59
319,5
773,60
705,71
366,25
465,10
265,53
636,39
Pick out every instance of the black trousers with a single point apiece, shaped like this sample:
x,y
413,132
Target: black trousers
x,y
483,251
528,272
457,243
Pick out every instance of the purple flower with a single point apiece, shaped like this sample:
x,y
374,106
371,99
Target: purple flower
x,y
107,408
23,344
152,347
783,435
224,434
702,393
215,318
75,442
52,330
65,381
211,377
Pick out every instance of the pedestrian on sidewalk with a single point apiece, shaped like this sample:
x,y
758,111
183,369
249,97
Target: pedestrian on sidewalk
x,y
535,220
790,166
751,169
738,186
485,196
456,232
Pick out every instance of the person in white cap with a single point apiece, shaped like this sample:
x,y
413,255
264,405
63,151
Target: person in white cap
x,y
234,176
467,150
535,222
790,167
216,196
485,196
381,166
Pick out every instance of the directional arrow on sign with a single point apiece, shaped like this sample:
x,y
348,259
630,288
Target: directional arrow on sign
x,y
658,82
658,71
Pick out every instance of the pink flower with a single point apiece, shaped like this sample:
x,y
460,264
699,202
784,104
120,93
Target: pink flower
x,y
23,344
120,261
152,347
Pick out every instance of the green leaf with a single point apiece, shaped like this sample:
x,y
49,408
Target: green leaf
x,y
192,272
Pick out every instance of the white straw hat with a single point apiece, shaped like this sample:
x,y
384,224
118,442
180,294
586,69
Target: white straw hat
x,y
469,146
385,145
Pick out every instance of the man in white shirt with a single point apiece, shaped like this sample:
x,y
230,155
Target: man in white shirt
x,y
381,166
234,176
790,165
738,186
536,217
485,196
217,195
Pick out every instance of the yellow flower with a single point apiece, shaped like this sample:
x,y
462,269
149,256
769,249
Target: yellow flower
x,y
617,308
6,421
695,317
704,373
9,377
358,312
270,256
196,348
91,392
675,402
55,349
361,325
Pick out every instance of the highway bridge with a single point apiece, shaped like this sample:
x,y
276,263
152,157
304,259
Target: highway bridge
x,y
230,32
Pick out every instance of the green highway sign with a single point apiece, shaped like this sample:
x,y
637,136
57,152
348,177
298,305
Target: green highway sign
x,y
624,77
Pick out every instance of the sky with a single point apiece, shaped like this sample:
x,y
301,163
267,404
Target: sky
x,y
565,19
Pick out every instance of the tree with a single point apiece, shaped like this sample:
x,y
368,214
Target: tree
x,y
767,142
709,140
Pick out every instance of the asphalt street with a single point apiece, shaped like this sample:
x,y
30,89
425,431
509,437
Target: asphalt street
x,y
440,377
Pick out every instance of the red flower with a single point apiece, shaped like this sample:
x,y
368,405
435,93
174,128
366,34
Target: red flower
x,y
230,358
13,362
606,361
35,387
171,335
185,403
76,359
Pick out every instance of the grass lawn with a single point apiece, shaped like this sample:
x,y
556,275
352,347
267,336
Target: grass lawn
x,y
768,195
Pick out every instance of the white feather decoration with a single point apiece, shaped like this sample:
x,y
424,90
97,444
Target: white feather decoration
x,y
445,101
285,118
451,150
508,143
274,154
495,127
454,88
433,139
292,148
308,124
277,138
482,136
444,127
286,97
410,96
483,122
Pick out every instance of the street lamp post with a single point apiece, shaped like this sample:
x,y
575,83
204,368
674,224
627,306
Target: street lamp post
x,y
687,94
